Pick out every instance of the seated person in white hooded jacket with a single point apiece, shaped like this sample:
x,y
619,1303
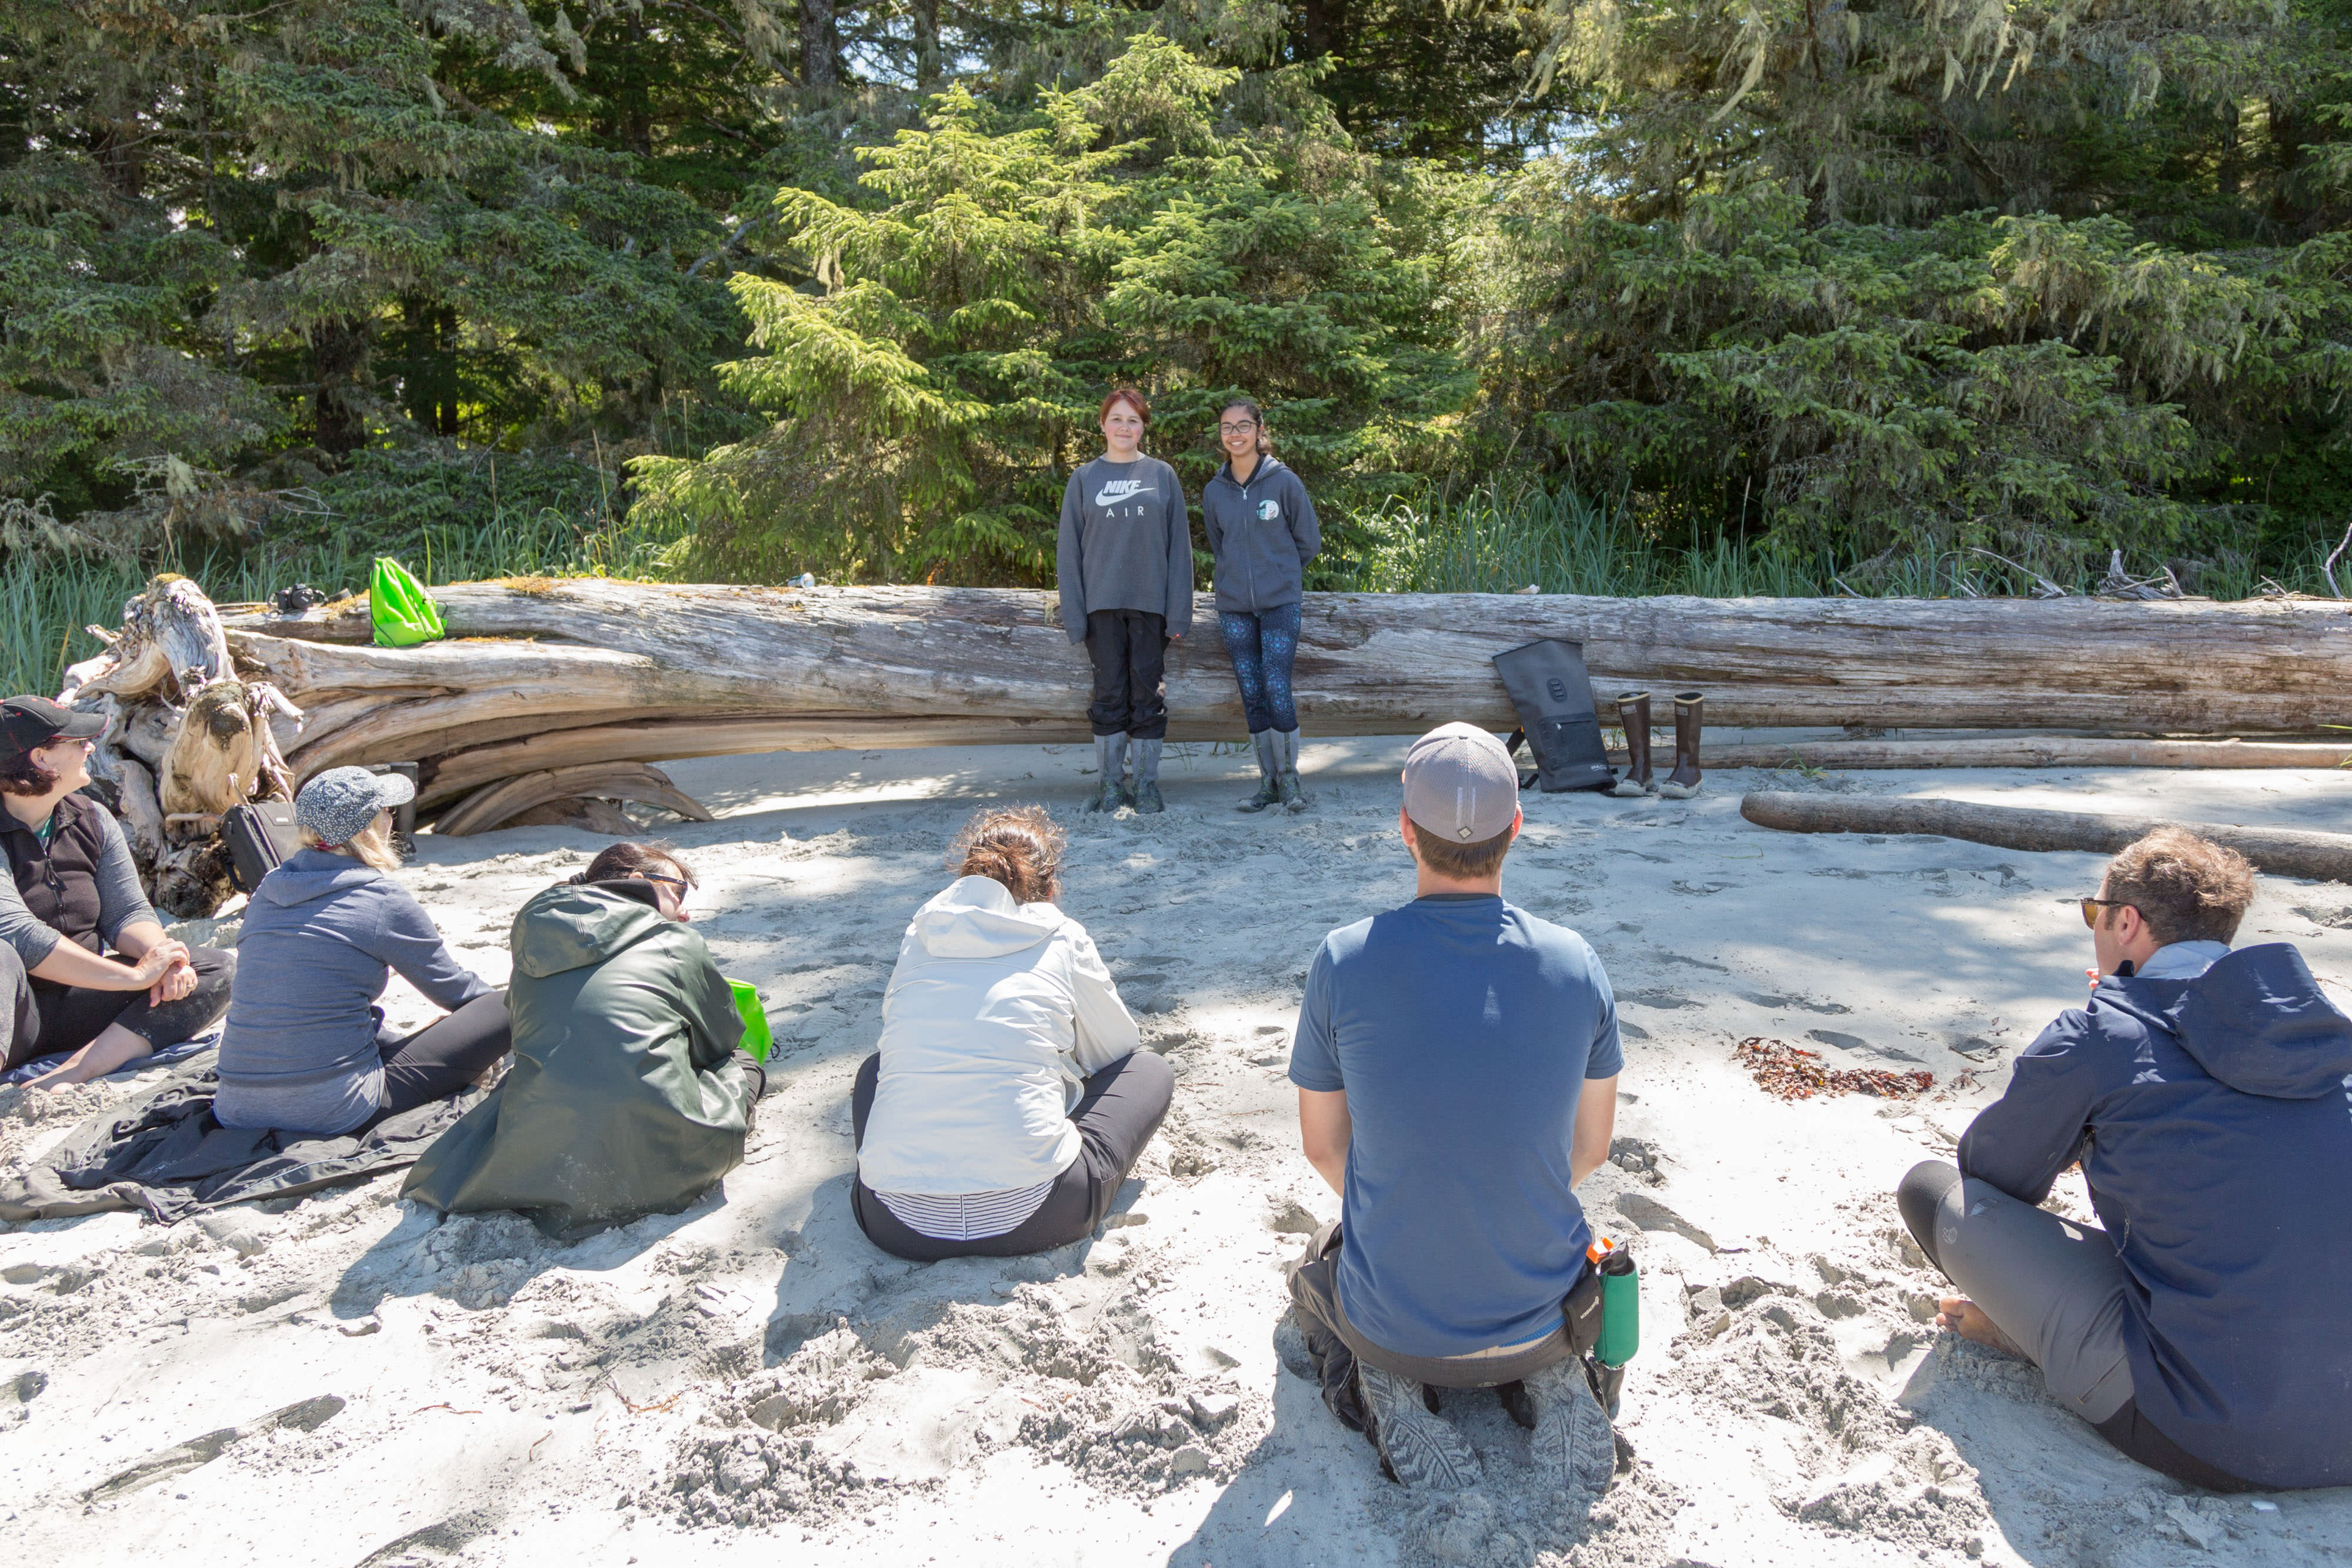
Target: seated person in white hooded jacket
x,y
1008,1101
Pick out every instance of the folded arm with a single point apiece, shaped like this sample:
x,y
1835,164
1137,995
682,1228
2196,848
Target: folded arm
x,y
2038,1127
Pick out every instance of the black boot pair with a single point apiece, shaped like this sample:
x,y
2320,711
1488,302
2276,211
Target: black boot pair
x,y
1634,713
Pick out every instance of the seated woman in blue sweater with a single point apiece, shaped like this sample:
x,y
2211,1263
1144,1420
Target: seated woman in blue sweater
x,y
304,1049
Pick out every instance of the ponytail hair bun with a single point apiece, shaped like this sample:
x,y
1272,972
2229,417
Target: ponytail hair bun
x,y
1018,847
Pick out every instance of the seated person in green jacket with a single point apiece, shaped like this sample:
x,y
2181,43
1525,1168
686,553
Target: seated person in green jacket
x,y
629,1093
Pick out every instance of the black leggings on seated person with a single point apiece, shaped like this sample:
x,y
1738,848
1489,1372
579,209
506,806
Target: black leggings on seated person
x,y
438,1061
1122,1106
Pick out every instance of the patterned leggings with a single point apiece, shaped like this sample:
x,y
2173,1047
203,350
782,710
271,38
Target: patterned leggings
x,y
1262,645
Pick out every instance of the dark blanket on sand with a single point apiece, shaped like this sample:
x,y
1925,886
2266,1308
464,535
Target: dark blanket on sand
x,y
162,1153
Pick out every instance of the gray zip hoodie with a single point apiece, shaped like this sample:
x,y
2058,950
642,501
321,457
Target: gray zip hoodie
x,y
1126,544
1264,533
321,936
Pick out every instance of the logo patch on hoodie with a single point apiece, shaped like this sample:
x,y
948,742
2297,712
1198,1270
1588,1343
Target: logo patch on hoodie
x,y
1117,490
1268,510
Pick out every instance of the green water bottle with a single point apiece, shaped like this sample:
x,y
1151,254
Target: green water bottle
x,y
1621,1309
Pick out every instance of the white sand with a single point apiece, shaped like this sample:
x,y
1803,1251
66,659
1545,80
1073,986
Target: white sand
x,y
752,1376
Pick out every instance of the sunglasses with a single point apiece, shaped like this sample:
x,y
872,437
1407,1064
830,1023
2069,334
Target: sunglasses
x,y
2091,907
679,883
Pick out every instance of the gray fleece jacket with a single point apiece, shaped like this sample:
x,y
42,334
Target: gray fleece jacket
x,y
322,936
1264,534
1126,544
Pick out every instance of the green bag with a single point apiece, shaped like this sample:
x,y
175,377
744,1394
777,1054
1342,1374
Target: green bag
x,y
404,614
757,1040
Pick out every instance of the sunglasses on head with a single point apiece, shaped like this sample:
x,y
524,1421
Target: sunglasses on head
x,y
2091,907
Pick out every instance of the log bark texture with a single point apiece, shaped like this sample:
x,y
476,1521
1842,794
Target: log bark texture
x,y
2281,851
658,670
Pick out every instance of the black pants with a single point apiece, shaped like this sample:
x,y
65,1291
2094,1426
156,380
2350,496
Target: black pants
x,y
38,1019
444,1056
1130,654
1122,1107
2057,1290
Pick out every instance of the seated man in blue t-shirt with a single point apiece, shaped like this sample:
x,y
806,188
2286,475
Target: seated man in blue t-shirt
x,y
1456,1063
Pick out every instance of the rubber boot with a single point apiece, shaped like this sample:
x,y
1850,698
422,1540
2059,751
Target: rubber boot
x,y
1286,753
1634,713
1147,776
1689,713
1269,770
1110,761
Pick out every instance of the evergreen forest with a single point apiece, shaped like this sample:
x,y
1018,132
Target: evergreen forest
x,y
1614,295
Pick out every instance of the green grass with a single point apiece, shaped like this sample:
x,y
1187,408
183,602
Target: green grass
x,y
1492,540
1489,540
45,601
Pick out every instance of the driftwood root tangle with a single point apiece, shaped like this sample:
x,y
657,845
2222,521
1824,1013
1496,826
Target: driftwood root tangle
x,y
2281,851
186,737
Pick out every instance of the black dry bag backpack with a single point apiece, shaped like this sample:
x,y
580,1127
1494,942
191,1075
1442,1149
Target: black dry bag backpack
x,y
260,835
1554,699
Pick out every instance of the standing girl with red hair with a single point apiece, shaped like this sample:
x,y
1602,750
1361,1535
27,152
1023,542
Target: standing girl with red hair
x,y
1126,578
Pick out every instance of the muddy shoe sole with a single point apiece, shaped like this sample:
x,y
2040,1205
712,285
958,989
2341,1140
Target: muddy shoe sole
x,y
1421,1450
1572,1445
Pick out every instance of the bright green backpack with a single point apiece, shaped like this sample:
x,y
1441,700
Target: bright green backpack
x,y
404,614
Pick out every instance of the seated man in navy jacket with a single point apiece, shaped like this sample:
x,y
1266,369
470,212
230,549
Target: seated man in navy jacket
x,y
2208,1095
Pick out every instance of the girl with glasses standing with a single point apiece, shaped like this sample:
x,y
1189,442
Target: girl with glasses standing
x,y
1262,528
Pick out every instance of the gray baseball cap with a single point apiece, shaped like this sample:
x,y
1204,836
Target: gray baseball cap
x,y
339,803
1460,784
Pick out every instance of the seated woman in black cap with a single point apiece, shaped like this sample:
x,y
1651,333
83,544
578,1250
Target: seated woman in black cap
x,y
70,894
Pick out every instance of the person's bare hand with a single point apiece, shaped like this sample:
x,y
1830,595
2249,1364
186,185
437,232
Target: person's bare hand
x,y
178,981
155,962
1968,1320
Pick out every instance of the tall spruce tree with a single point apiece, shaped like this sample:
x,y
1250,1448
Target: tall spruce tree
x,y
2048,280
279,221
938,377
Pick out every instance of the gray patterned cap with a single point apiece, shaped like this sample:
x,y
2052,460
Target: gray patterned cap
x,y
339,803
1460,784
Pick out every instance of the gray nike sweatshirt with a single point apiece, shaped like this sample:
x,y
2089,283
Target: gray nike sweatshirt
x,y
1126,544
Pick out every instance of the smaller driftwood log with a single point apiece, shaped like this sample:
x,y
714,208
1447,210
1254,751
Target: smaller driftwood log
x,y
2281,851
2024,751
498,804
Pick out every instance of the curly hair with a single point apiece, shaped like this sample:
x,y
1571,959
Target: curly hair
x,y
2185,889
1018,846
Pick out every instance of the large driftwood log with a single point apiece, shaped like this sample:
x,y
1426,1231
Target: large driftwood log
x,y
2282,851
657,671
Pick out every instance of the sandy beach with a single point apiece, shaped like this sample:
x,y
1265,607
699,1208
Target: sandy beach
x,y
750,1376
